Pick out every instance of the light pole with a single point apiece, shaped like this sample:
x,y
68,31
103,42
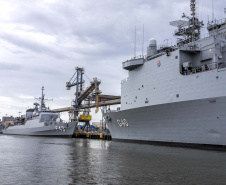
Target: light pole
x,y
102,111
18,119
5,121
225,12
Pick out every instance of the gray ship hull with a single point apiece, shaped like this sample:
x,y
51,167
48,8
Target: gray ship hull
x,y
49,130
198,122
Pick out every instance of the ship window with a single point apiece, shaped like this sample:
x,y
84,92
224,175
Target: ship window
x,y
177,95
176,57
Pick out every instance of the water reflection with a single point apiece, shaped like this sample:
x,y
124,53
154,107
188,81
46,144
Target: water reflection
x,y
34,160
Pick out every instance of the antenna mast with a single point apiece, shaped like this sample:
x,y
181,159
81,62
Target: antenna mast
x,y
201,10
193,19
42,100
212,11
135,44
225,12
189,30
143,42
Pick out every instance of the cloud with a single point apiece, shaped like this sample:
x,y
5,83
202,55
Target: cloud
x,y
42,41
25,97
31,45
10,67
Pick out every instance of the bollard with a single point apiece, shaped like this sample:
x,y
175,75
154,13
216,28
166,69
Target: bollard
x,y
87,135
101,135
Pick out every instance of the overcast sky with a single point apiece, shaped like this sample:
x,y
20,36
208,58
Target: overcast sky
x,y
42,41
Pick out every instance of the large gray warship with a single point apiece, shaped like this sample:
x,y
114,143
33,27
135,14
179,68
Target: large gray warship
x,y
176,94
41,121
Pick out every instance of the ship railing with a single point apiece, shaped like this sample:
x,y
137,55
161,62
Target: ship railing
x,y
182,42
217,22
202,68
222,35
138,57
155,56
162,46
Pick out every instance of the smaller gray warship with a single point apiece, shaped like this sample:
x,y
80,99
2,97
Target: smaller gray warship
x,y
41,121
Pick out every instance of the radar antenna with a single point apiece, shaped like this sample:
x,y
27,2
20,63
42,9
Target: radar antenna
x,y
189,30
42,100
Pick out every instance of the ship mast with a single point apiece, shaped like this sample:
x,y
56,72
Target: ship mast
x,y
188,30
42,106
194,22
42,101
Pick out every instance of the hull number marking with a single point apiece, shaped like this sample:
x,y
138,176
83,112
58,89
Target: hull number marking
x,y
122,123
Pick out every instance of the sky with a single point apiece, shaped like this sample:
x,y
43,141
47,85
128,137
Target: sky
x,y
42,41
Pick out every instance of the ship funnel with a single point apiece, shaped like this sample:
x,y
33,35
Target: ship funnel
x,y
152,48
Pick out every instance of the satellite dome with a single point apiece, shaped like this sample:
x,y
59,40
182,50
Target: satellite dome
x,y
152,47
152,41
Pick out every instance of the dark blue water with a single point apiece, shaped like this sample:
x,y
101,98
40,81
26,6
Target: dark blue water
x,y
39,160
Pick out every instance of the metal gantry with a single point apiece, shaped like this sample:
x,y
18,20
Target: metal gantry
x,y
83,96
76,80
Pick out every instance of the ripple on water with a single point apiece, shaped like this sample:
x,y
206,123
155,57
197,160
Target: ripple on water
x,y
39,160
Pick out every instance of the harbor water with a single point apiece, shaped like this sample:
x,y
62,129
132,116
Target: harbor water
x,y
41,160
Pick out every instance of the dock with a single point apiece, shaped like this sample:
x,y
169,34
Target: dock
x,y
92,135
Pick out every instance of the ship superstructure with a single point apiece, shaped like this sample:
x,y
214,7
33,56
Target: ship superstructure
x,y
176,94
41,121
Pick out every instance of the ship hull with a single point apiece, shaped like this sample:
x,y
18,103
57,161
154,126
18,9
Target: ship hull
x,y
49,130
196,122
